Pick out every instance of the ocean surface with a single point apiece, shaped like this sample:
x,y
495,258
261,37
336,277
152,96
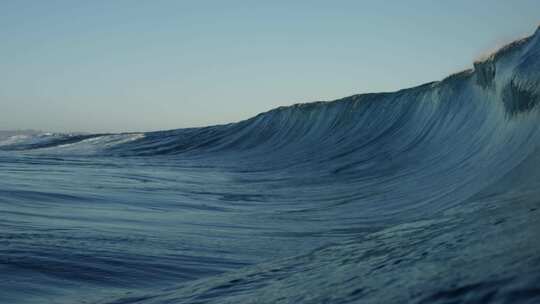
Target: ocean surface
x,y
426,195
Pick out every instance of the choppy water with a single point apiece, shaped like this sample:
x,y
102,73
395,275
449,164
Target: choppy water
x,y
426,195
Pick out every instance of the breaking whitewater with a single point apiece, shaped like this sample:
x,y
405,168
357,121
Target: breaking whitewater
x,y
426,195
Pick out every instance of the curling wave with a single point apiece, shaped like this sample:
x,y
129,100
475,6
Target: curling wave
x,y
417,191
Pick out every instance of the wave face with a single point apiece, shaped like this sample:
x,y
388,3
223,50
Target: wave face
x,y
425,195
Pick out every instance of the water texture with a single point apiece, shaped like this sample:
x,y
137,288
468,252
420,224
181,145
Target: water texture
x,y
426,195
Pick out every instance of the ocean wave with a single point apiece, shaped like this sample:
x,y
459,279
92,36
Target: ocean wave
x,y
424,195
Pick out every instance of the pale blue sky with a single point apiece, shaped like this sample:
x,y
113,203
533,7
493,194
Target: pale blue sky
x,y
103,66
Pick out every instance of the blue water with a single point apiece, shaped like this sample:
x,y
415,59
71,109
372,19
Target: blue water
x,y
425,195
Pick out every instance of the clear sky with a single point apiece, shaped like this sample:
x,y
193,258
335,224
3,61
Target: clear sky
x,y
103,66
